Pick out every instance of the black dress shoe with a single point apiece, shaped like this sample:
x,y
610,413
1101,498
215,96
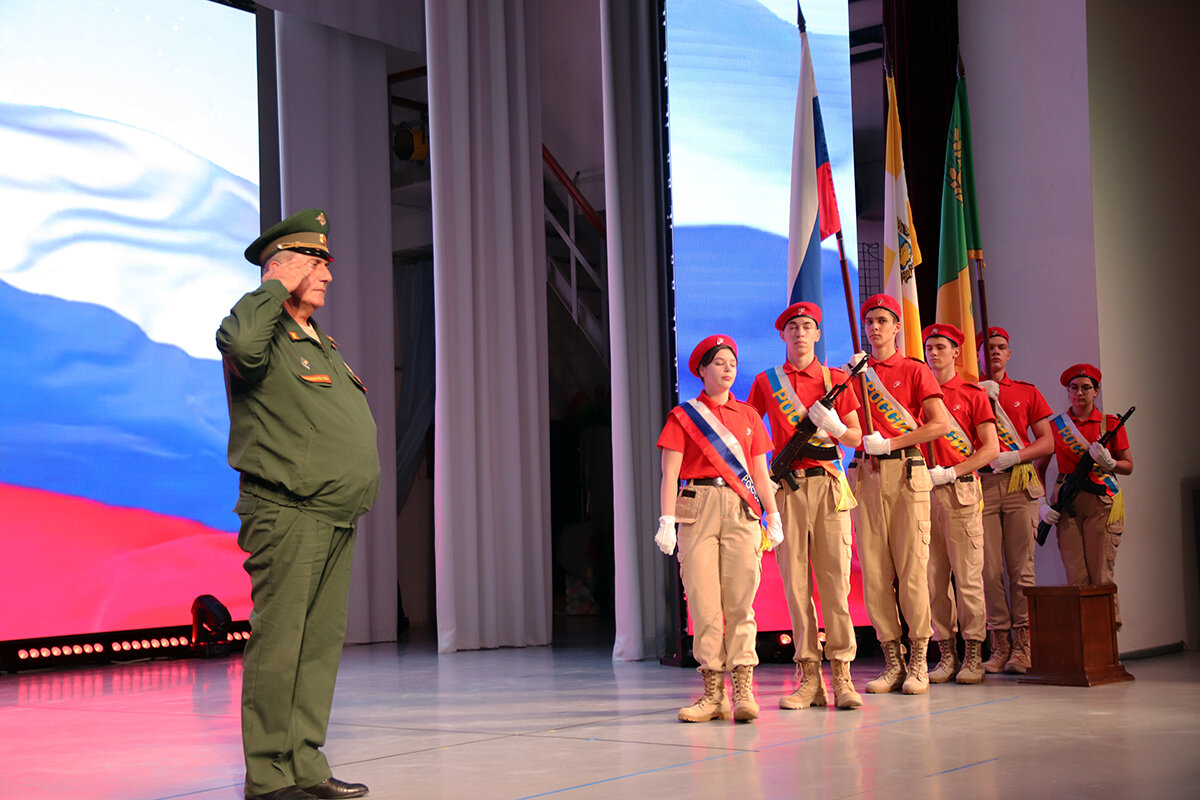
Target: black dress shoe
x,y
333,789
286,793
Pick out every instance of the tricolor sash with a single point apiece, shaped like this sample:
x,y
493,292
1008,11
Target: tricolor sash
x,y
794,410
1021,475
1065,427
889,408
720,447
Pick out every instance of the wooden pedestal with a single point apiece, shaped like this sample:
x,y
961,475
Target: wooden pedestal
x,y
1073,636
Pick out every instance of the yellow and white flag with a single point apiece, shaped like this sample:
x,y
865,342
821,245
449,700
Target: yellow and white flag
x,y
900,251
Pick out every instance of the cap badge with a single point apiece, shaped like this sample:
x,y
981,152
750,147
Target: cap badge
x,y
321,219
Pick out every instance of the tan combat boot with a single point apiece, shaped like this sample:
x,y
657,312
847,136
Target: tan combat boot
x,y
712,704
1001,648
917,681
972,666
892,676
1019,663
810,691
745,708
947,667
844,695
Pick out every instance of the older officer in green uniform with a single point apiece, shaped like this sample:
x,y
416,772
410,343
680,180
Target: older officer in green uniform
x,y
303,440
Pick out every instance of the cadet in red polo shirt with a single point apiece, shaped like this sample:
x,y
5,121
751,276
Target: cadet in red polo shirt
x,y
957,544
891,482
816,516
717,446
1088,539
1011,491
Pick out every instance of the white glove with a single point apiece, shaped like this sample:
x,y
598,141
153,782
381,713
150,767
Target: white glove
x,y
875,444
1101,456
827,420
992,388
942,475
1006,460
1047,513
854,359
774,528
665,538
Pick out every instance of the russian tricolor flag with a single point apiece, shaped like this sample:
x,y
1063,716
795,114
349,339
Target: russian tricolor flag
x,y
814,214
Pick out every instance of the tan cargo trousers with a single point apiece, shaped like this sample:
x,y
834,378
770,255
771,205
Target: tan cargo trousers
x,y
720,561
817,544
1009,523
893,529
956,547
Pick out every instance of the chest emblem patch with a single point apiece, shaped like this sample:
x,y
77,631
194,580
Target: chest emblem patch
x,y
304,363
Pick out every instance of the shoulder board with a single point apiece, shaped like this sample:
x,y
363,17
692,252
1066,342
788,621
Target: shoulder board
x,y
974,386
1023,383
917,360
837,375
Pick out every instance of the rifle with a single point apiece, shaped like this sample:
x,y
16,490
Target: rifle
x,y
798,446
1075,482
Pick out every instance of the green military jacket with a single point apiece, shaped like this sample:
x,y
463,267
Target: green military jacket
x,y
300,431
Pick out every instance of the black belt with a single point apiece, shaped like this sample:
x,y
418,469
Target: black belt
x,y
989,471
811,472
908,452
708,482
965,478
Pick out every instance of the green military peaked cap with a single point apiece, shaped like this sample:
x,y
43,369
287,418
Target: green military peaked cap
x,y
304,232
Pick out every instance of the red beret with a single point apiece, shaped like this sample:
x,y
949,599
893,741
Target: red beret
x,y
995,330
798,309
705,346
946,330
881,301
1080,370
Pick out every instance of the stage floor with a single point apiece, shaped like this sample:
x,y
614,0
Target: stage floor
x,y
568,722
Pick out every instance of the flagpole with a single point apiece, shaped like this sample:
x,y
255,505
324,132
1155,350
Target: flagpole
x,y
849,295
980,266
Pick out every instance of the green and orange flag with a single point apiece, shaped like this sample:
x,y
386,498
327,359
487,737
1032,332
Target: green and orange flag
x,y
960,234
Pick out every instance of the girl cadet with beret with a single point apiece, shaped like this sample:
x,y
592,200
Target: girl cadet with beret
x,y
717,446
1089,537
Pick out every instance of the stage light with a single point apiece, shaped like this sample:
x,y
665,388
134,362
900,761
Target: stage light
x,y
211,625
785,639
22,654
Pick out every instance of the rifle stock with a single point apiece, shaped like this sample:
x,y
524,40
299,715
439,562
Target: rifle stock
x,y
1072,483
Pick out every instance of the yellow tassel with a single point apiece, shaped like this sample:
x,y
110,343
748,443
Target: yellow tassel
x,y
846,498
766,546
1022,475
1117,512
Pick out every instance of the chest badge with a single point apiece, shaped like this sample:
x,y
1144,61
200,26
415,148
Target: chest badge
x,y
1017,404
896,385
304,363
749,430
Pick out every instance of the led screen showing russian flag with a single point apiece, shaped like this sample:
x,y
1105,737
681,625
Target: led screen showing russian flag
x,y
733,70
128,188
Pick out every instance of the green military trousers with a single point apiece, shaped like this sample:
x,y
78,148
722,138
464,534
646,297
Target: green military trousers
x,y
300,580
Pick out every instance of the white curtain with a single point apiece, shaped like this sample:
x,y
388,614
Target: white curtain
x,y
333,122
631,164
491,420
